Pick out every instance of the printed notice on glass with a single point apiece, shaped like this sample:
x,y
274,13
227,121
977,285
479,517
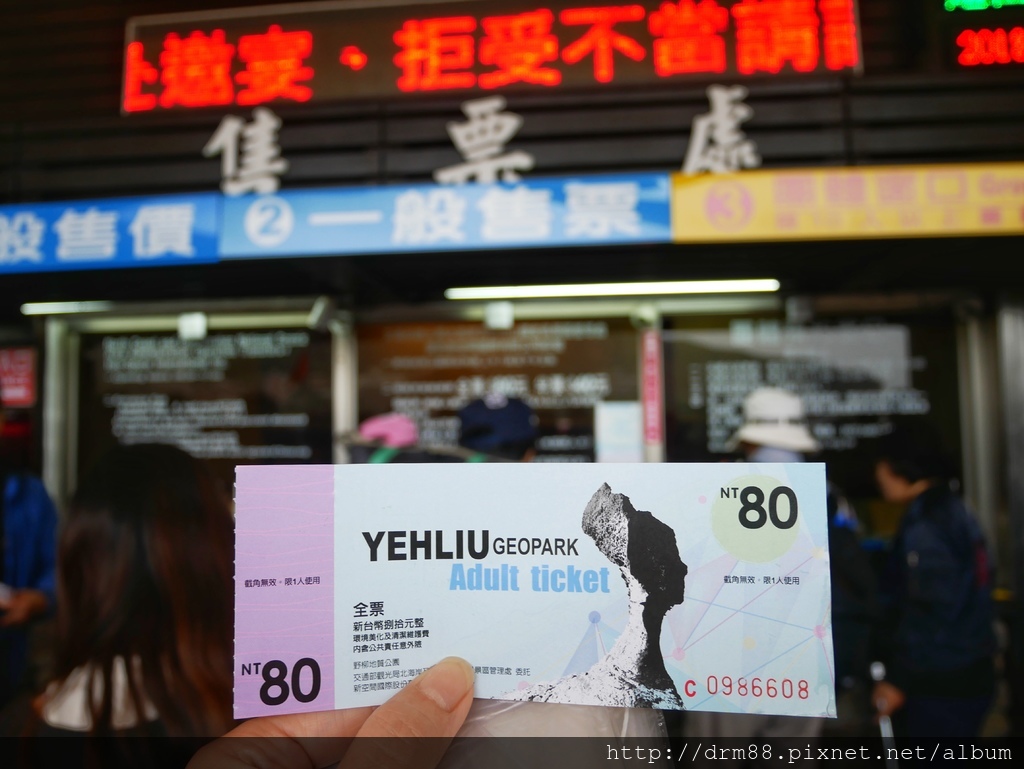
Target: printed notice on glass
x,y
675,586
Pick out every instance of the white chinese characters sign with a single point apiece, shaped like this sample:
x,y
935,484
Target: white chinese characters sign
x,y
717,143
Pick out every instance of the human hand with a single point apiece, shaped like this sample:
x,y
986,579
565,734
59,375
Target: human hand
x,y
434,704
21,606
887,698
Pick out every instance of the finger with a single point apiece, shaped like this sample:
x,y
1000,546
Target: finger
x,y
414,728
295,741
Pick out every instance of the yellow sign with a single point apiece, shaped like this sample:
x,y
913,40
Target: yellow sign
x,y
848,203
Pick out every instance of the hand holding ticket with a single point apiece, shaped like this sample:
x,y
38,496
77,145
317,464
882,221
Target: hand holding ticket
x,y
698,587
435,703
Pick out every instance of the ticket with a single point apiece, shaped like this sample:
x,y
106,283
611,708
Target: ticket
x,y
675,586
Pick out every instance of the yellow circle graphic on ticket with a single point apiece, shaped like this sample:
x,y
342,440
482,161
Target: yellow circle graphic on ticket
x,y
755,518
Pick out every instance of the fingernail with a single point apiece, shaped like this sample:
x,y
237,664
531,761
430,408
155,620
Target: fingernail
x,y
448,682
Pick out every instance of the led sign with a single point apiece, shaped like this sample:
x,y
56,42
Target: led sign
x,y
990,37
978,5
991,46
335,51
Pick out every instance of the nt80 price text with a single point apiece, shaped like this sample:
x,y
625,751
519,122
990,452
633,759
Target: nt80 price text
x,y
301,682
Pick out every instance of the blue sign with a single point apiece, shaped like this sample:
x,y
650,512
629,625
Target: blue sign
x,y
567,211
192,229
121,232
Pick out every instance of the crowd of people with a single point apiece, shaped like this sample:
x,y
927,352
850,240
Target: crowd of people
x,y
138,578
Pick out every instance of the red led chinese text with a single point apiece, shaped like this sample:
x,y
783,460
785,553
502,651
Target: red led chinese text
x,y
273,66
539,47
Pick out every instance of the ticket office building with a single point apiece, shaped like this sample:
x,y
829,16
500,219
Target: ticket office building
x,y
864,327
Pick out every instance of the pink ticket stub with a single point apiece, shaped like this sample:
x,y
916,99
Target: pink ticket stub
x,y
678,586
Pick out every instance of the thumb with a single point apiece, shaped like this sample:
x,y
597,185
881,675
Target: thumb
x,y
433,705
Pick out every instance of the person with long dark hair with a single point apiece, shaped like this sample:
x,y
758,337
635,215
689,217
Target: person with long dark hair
x,y
144,603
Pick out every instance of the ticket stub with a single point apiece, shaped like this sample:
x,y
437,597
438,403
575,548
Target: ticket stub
x,y
676,586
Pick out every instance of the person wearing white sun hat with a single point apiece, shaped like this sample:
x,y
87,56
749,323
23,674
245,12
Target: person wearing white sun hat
x,y
774,428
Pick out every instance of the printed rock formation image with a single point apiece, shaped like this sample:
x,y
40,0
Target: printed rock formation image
x,y
633,673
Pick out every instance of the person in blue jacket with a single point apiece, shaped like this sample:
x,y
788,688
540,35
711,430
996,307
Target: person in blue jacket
x,y
937,639
28,533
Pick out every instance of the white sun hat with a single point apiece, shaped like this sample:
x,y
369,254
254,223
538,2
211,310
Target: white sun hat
x,y
774,417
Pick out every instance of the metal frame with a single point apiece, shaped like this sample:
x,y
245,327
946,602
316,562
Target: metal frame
x,y
63,335
980,433
1010,328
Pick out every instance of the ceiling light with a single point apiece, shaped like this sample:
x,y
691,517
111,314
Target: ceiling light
x,y
64,308
614,289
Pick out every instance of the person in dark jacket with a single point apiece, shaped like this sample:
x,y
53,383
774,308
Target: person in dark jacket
x,y
854,613
937,638
497,427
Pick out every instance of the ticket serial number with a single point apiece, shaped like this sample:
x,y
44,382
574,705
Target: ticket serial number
x,y
770,688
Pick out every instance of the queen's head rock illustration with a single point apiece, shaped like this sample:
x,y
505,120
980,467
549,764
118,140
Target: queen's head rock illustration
x,y
633,672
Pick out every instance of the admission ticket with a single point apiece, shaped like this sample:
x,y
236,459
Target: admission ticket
x,y
679,586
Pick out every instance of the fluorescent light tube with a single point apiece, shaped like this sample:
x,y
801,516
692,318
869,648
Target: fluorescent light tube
x,y
614,289
64,308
